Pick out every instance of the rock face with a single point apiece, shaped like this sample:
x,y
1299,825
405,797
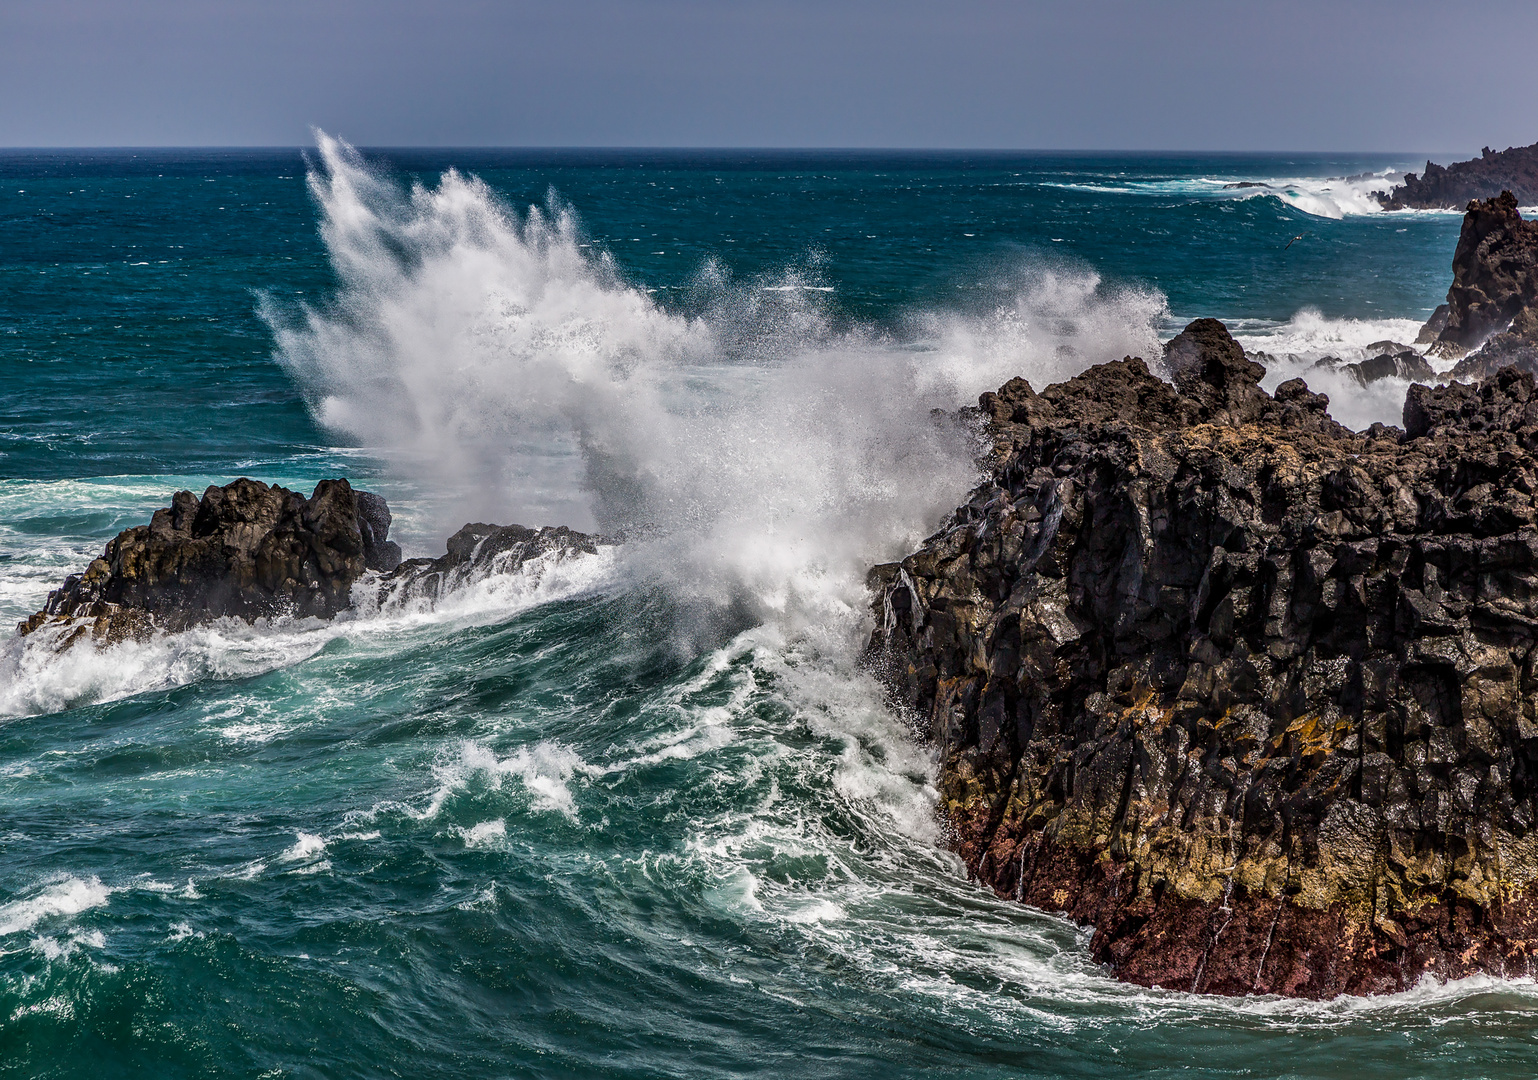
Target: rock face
x,y
1493,300
246,549
1251,695
1514,169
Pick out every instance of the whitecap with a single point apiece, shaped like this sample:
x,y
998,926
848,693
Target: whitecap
x,y
63,898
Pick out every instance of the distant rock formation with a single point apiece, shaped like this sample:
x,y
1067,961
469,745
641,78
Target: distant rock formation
x,y
252,550
1514,169
1251,695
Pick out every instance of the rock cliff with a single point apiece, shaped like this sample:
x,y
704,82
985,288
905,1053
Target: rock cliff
x,y
1514,169
1249,694
1493,300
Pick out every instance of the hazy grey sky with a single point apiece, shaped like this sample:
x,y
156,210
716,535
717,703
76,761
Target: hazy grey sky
x,y
1187,74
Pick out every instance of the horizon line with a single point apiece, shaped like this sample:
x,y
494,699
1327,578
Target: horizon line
x,y
679,148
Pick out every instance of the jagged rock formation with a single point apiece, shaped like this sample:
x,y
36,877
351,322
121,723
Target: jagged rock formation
x,y
246,549
1396,362
1493,300
1514,169
1250,694
478,551
251,550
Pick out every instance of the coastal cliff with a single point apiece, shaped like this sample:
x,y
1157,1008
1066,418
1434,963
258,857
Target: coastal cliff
x,y
1249,694
1514,169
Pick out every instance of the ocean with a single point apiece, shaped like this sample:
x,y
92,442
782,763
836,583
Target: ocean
x,y
637,814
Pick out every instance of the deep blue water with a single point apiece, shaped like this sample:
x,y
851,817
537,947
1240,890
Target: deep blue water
x,y
637,815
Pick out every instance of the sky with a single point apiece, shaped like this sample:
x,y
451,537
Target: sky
x,y
1094,74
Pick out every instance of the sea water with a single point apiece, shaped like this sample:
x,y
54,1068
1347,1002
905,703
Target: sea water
x,y
638,814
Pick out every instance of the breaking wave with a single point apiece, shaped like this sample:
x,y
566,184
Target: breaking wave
x,y
770,454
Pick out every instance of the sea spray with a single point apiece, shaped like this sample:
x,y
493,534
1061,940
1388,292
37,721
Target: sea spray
x,y
770,455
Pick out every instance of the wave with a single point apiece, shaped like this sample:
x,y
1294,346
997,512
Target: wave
x,y
1293,349
772,455
1333,197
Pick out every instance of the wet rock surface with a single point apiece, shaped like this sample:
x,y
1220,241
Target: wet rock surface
x,y
252,550
1514,169
1251,695
248,549
478,551
1492,305
1399,363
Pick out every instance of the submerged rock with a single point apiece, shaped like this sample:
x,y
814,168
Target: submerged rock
x,y
478,551
1514,169
1404,364
1248,693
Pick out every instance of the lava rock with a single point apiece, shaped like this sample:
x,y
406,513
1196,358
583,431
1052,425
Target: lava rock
x,y
1248,693
1406,364
478,551
1514,169
248,549
1495,278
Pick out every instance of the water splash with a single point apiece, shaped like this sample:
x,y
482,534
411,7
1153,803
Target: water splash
x,y
770,457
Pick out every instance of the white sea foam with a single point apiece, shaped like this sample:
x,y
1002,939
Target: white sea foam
x,y
1296,346
306,848
64,898
542,769
484,833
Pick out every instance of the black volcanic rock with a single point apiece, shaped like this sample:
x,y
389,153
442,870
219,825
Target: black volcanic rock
x,y
1495,274
1492,305
1405,364
251,551
247,549
1250,694
1514,169
477,551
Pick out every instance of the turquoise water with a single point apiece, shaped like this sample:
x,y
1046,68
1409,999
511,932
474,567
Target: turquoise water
x,y
632,815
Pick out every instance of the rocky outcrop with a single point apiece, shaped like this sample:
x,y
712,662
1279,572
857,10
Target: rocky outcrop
x,y
1395,362
1493,300
250,550
247,549
479,551
1514,169
1249,694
